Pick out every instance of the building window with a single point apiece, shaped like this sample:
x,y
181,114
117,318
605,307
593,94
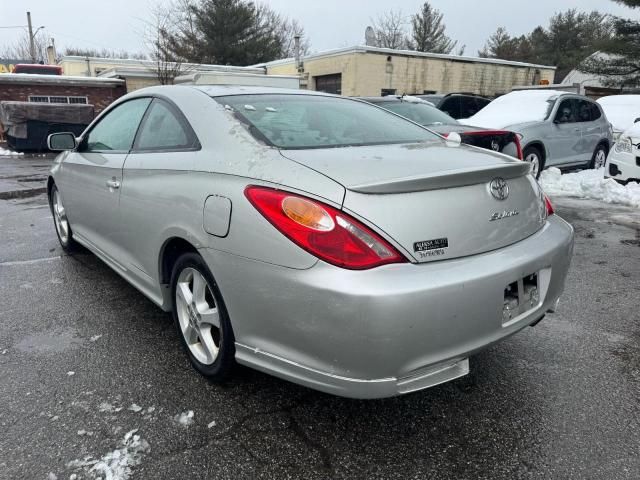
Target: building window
x,y
58,99
387,91
329,83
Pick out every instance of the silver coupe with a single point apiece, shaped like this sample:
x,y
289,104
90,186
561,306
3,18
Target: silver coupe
x,y
318,238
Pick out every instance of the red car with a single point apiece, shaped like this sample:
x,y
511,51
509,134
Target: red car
x,y
427,115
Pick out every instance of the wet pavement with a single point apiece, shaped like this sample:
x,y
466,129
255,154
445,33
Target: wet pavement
x,y
85,359
24,176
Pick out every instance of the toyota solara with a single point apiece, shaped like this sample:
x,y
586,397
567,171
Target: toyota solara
x,y
318,238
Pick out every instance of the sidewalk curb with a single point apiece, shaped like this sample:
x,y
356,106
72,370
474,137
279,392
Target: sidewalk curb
x,y
25,193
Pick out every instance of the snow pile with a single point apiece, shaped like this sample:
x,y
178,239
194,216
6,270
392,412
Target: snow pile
x,y
115,465
185,418
514,108
621,110
9,152
590,184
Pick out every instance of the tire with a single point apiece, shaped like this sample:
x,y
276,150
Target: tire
x,y
533,155
599,158
61,223
201,318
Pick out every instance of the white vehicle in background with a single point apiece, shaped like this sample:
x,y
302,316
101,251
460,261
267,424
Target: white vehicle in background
x,y
622,111
623,163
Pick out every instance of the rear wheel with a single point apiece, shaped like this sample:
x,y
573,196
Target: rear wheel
x,y
61,222
201,318
534,157
599,157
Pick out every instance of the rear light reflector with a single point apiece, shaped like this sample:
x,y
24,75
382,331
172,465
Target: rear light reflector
x,y
547,202
324,231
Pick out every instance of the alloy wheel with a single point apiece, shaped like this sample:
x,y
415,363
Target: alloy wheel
x,y
533,159
60,217
600,160
198,315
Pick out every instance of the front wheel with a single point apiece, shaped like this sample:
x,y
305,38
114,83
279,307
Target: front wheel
x,y
201,318
534,157
599,157
61,222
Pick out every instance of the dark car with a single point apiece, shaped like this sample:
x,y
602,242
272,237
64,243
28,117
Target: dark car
x,y
457,105
424,113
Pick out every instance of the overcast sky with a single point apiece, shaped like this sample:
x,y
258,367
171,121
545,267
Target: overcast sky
x,y
118,24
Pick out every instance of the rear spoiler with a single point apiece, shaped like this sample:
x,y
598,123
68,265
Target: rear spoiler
x,y
446,179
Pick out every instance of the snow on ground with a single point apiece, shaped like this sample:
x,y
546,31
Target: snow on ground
x,y
589,184
115,465
184,418
8,152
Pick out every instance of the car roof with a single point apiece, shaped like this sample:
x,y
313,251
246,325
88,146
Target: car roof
x,y
396,99
224,90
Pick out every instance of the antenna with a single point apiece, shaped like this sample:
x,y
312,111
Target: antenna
x,y
370,37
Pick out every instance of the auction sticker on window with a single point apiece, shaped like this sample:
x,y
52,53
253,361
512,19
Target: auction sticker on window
x,y
431,248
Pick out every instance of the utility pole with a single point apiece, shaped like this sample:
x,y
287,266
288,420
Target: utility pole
x,y
32,44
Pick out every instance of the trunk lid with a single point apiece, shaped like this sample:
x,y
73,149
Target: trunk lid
x,y
434,199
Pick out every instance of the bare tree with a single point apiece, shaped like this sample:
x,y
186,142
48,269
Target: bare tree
x,y
21,50
285,30
160,31
390,30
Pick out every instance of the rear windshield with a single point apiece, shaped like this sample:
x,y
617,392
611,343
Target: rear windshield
x,y
309,121
419,112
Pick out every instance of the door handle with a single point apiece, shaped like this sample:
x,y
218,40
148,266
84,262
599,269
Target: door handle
x,y
113,183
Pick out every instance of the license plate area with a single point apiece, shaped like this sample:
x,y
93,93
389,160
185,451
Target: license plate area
x,y
520,297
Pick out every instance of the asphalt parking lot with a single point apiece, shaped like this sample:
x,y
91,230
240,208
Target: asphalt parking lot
x,y
85,359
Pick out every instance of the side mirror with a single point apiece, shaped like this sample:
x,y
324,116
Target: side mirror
x,y
636,120
58,142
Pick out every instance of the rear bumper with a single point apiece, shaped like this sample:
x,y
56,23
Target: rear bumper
x,y
386,331
622,166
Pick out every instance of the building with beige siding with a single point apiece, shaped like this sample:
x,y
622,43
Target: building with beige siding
x,y
372,71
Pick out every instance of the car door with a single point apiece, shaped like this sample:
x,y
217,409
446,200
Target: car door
x,y
564,141
92,176
591,128
155,193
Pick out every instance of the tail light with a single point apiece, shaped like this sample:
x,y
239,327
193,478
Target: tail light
x,y
511,137
519,137
325,232
550,210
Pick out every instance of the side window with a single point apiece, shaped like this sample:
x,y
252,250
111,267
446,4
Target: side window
x,y
164,129
451,106
482,102
567,111
585,111
115,132
468,107
595,111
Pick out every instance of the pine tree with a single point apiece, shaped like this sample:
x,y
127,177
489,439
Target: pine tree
x,y
618,60
501,45
231,32
429,31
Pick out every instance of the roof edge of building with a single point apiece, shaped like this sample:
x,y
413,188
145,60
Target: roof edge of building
x,y
58,79
405,53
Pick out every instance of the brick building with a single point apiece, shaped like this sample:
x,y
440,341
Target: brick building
x,y
99,92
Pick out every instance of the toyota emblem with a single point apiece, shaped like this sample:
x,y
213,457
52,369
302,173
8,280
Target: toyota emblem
x,y
499,188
